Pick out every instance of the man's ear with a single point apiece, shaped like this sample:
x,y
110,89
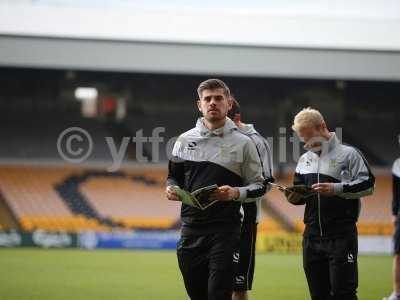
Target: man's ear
x,y
323,126
230,103
236,118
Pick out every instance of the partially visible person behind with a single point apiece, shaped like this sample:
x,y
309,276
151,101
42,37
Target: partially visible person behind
x,y
340,176
245,266
396,237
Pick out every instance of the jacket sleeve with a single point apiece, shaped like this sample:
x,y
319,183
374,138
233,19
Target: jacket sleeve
x,y
265,155
176,172
254,182
361,182
396,195
267,163
396,187
298,179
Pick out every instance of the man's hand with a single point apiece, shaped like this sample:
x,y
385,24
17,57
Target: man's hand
x,y
225,193
171,194
325,188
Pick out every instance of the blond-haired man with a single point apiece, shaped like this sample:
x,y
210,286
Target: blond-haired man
x,y
340,175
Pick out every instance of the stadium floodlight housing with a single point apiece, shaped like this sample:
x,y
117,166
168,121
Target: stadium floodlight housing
x,y
86,93
88,98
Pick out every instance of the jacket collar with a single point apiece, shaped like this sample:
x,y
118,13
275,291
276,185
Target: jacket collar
x,y
228,127
247,129
328,145
332,142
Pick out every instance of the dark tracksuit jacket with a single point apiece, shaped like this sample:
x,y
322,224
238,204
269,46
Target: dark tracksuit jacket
x,y
344,166
396,204
225,156
396,187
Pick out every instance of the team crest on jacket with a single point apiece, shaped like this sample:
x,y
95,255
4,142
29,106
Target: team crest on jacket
x,y
332,163
224,151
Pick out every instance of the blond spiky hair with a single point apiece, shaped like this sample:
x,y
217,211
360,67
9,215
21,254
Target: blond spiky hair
x,y
307,117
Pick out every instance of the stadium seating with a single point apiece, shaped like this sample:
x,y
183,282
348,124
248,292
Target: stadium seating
x,y
130,200
70,224
29,191
133,198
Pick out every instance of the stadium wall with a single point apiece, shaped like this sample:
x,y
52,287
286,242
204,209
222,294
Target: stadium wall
x,y
166,240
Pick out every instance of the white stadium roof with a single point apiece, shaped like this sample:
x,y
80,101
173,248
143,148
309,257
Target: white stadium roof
x,y
351,39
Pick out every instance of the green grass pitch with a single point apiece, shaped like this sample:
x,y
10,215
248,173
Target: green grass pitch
x,y
116,275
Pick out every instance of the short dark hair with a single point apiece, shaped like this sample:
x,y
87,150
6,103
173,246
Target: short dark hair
x,y
235,108
212,84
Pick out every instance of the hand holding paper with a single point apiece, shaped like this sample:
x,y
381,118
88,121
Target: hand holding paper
x,y
225,193
171,193
325,188
200,198
296,194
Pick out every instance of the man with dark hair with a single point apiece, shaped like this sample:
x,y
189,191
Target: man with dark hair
x,y
234,112
396,237
214,152
243,280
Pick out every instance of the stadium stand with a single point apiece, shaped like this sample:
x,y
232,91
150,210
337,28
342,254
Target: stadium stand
x,y
7,219
75,199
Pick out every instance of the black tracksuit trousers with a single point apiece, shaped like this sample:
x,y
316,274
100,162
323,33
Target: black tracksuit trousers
x,y
207,264
330,265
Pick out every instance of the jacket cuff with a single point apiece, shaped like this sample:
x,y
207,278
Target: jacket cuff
x,y
242,193
337,188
